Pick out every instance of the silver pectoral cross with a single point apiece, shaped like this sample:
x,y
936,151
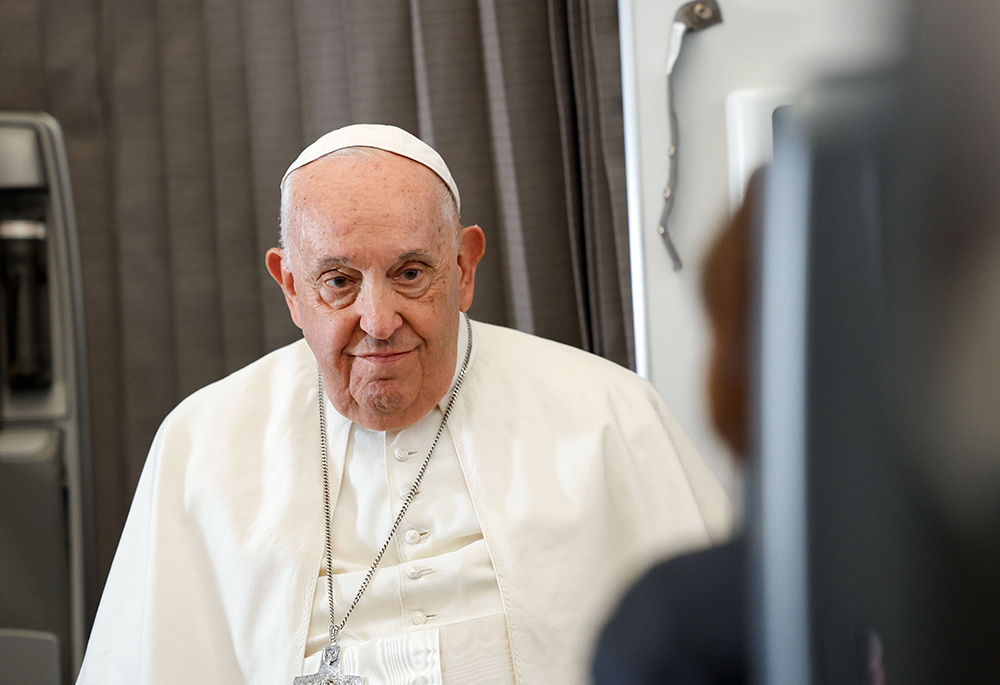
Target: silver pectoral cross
x,y
329,671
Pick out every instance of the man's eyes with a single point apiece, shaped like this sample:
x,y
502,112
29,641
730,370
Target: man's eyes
x,y
338,282
409,276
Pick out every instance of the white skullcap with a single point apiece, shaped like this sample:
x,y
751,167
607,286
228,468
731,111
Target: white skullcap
x,y
388,138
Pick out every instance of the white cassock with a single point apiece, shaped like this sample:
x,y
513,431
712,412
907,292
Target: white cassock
x,y
559,477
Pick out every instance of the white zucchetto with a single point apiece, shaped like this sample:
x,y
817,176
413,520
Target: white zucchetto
x,y
383,137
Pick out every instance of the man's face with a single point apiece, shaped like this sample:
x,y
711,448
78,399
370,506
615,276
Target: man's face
x,y
376,278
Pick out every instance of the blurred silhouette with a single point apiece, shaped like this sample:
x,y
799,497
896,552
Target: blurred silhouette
x,y
685,620
872,389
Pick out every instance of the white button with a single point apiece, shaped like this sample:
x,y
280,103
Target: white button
x,y
414,536
401,454
414,572
419,618
403,492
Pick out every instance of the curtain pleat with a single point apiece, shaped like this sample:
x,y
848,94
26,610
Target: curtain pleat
x,y
381,64
182,115
149,379
238,262
22,63
275,120
525,138
585,52
189,199
454,114
324,75
569,138
616,325
421,77
509,214
583,142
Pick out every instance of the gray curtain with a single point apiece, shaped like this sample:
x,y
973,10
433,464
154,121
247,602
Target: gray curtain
x,y
181,115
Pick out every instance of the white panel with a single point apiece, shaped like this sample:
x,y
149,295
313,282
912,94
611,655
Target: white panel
x,y
750,134
760,45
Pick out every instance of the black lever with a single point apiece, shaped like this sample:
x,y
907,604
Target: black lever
x,y
24,276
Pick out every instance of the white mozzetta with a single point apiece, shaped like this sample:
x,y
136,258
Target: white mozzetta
x,y
578,472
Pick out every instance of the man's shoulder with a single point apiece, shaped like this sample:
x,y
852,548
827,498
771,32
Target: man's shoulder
x,y
266,380
542,363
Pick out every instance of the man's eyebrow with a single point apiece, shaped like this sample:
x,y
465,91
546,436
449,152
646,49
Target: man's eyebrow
x,y
417,256
327,263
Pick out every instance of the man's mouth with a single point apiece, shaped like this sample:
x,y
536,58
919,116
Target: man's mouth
x,y
383,357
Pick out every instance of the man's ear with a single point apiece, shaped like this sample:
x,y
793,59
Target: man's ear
x,y
471,247
280,270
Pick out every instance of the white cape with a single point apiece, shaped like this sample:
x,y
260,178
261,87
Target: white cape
x,y
579,474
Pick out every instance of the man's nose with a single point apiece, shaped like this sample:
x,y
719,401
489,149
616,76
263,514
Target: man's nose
x,y
378,310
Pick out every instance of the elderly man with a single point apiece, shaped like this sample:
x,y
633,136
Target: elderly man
x,y
405,495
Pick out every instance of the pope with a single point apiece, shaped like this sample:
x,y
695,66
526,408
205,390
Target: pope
x,y
405,495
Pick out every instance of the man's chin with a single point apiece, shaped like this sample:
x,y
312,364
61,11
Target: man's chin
x,y
385,408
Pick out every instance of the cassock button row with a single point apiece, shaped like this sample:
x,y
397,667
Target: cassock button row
x,y
413,536
403,454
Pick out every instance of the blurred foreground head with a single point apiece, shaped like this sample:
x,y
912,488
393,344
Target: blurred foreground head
x,y
725,288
